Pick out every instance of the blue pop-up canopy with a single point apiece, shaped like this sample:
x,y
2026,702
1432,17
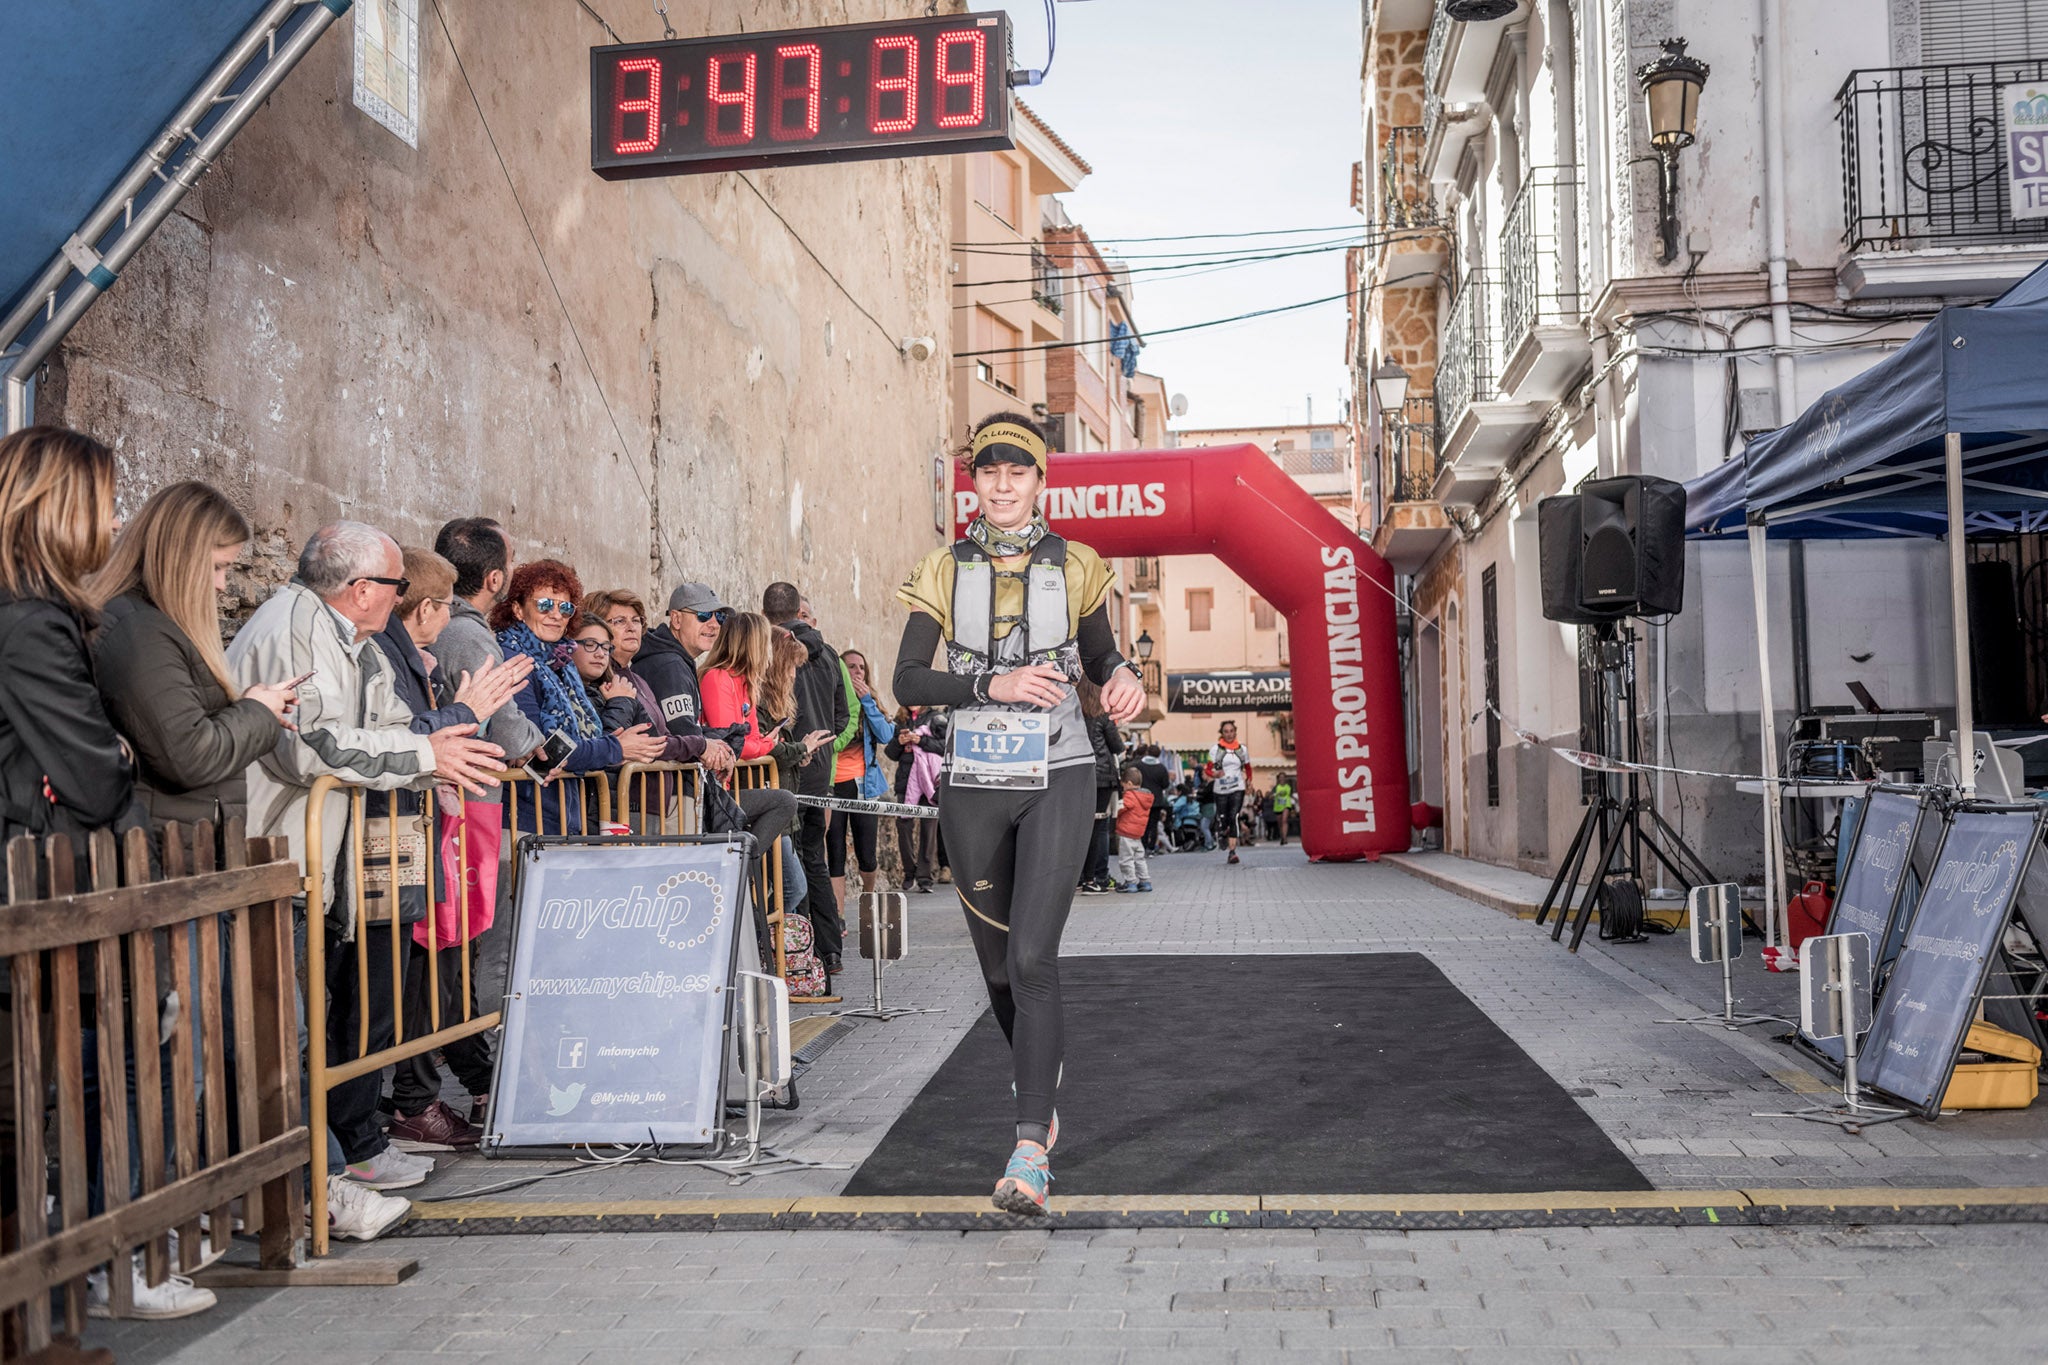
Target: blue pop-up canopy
x,y
112,110
1867,458
1946,435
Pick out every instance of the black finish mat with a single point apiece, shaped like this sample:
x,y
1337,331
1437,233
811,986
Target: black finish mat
x,y
1359,1073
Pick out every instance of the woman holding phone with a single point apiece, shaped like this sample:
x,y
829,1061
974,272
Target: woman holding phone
x,y
162,672
1022,617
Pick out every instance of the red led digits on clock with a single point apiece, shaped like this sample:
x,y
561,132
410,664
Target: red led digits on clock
x,y
717,98
649,105
976,44
904,85
811,59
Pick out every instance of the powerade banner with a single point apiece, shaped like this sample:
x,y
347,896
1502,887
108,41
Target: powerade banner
x,y
619,994
1931,997
1233,691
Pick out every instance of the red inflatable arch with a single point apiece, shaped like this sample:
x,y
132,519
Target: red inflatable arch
x,y
1337,594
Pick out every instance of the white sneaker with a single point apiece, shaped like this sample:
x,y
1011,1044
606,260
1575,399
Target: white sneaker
x,y
358,1213
176,1297
391,1169
207,1255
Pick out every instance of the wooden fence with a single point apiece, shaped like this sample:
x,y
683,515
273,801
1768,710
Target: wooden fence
x,y
215,1116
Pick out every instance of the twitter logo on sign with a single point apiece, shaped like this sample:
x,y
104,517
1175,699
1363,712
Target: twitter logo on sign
x,y
561,1100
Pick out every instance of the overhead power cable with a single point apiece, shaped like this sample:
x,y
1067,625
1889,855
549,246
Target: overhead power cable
x,y
1199,236
1166,255
1185,327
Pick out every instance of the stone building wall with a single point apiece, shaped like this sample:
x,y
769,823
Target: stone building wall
x,y
338,324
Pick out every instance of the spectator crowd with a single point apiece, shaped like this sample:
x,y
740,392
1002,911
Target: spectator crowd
x,y
408,670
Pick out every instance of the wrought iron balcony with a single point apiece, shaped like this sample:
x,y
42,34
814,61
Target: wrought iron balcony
x,y
1432,68
1407,199
1923,156
1468,364
1411,450
1045,280
1539,255
1145,573
1155,678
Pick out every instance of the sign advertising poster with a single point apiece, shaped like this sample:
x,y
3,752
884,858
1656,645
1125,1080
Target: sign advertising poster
x,y
620,991
1932,995
1230,691
2026,147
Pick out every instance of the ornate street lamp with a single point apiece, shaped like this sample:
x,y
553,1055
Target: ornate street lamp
x,y
1390,386
1144,644
1671,93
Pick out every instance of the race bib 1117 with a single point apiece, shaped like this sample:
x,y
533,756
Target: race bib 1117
x,y
1000,748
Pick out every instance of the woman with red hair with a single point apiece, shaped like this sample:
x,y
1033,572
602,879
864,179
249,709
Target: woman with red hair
x,y
539,604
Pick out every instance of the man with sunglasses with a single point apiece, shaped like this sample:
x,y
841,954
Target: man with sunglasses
x,y
668,657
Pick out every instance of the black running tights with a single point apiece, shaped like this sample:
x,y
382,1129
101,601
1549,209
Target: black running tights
x,y
1016,856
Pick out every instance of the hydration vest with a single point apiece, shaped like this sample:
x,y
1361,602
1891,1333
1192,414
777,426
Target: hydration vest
x,y
1045,630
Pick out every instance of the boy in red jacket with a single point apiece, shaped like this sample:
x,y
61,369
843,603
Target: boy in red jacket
x,y
1130,833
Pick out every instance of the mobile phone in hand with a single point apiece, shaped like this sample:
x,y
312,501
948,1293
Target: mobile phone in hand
x,y
553,753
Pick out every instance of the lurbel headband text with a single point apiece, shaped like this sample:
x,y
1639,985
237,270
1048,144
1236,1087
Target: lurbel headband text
x,y
1007,443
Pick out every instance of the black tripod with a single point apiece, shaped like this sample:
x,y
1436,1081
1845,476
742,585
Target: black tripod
x,y
1620,823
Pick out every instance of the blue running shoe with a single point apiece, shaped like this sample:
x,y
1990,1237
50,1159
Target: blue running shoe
x,y
1144,886
1025,1182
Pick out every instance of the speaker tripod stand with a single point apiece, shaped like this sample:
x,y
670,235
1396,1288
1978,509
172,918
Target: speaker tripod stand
x,y
1620,825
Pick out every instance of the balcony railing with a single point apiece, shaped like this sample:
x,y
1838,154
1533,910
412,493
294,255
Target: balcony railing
x,y
1539,251
1923,155
1155,678
1145,573
1412,452
1407,199
1045,280
1432,67
1468,366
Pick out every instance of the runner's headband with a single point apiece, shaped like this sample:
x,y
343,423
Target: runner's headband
x,y
1007,443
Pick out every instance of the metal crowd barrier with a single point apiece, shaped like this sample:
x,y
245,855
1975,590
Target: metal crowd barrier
x,y
221,938
651,798
768,886
387,853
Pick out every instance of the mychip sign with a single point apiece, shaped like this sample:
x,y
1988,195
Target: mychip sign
x,y
620,989
1232,691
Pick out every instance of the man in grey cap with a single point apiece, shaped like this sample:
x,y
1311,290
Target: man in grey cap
x,y
668,657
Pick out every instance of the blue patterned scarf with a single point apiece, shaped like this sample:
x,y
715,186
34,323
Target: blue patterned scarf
x,y
563,706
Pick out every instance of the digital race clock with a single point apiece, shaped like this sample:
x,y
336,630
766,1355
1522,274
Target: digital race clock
x,y
916,87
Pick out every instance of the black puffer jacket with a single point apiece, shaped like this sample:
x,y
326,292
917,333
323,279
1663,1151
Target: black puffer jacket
x,y
1108,745
820,700
54,733
192,745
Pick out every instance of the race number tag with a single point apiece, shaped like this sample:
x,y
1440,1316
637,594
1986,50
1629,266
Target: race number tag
x,y
1000,748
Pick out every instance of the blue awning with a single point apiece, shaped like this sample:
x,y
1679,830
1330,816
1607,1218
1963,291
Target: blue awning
x,y
87,87
1866,459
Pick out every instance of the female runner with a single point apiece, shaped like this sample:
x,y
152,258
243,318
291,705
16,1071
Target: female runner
x,y
1021,613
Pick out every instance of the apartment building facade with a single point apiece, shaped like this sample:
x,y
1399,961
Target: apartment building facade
x,y
1563,307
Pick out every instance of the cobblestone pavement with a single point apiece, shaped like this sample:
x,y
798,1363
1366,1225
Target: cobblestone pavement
x,y
1678,1099
1750,1297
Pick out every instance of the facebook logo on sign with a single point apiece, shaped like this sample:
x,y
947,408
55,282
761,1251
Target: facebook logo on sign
x,y
569,1056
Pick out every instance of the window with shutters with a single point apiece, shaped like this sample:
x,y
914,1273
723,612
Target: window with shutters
x,y
1982,30
999,340
1200,602
1262,614
1006,191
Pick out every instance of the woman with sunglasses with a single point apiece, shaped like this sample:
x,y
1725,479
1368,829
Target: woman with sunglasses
x,y
532,620
1022,615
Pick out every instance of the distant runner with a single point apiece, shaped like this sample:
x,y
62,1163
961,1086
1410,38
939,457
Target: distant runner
x,y
1228,767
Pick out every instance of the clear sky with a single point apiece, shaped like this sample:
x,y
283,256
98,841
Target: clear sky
x,y
1201,116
